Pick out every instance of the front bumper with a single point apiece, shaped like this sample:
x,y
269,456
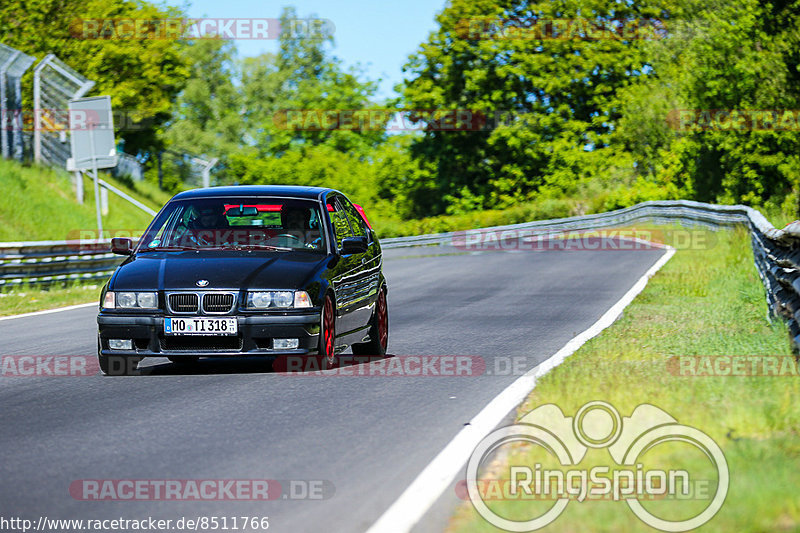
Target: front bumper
x,y
254,337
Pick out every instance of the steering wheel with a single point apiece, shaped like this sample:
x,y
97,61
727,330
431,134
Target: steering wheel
x,y
295,238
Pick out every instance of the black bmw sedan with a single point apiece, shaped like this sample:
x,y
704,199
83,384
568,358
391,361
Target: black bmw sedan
x,y
247,270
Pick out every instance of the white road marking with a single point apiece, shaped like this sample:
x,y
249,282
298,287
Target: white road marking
x,y
415,501
49,311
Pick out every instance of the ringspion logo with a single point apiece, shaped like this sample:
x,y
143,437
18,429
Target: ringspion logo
x,y
630,442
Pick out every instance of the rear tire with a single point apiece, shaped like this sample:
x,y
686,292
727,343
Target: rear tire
x,y
378,330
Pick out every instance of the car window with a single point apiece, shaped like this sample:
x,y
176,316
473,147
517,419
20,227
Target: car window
x,y
356,222
234,222
341,227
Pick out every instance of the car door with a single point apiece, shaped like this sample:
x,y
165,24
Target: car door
x,y
366,275
347,269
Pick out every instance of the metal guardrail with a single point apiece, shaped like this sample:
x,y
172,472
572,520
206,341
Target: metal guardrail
x,y
45,262
776,252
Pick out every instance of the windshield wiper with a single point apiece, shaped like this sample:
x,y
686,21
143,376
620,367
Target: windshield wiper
x,y
167,249
261,247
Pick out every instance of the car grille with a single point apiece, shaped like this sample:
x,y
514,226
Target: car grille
x,y
200,343
217,302
183,303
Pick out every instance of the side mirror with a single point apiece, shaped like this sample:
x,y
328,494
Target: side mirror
x,y
121,246
354,245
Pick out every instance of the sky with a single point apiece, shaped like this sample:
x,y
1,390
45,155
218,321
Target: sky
x,y
378,34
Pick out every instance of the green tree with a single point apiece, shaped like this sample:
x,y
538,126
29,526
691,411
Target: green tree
x,y
557,96
718,57
206,118
142,76
303,77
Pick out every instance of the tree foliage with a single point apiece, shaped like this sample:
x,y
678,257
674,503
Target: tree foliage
x,y
142,76
597,111
565,118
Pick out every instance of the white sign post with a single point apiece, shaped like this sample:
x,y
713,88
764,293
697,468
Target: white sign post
x,y
92,141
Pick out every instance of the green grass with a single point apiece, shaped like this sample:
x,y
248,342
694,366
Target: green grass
x,y
38,203
28,299
702,302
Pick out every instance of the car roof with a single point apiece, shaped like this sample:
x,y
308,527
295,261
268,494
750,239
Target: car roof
x,y
294,191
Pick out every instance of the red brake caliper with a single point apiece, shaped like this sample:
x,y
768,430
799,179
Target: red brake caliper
x,y
382,327
328,329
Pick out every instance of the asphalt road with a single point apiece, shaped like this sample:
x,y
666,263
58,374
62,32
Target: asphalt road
x,y
363,439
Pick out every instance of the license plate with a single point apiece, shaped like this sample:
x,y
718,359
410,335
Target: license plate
x,y
200,326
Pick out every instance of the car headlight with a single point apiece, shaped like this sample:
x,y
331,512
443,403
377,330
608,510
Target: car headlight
x,y
126,299
283,299
277,299
131,300
147,300
260,299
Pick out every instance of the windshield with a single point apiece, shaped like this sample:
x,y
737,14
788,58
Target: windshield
x,y
263,223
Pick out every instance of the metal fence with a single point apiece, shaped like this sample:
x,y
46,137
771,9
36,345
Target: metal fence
x,y
46,130
776,252
54,85
193,171
128,166
13,65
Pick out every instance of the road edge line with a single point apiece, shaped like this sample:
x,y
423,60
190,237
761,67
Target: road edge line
x,y
434,479
48,311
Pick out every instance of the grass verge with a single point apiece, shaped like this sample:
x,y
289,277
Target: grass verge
x,y
38,203
29,299
706,302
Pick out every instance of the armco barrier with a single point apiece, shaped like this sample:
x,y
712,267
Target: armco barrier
x,y
45,262
776,252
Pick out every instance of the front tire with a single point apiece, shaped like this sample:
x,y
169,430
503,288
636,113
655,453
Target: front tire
x,y
378,330
327,336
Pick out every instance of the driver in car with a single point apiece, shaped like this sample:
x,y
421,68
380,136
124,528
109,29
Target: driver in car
x,y
207,222
296,222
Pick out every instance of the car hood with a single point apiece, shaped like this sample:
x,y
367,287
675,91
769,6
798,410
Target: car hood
x,y
222,270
